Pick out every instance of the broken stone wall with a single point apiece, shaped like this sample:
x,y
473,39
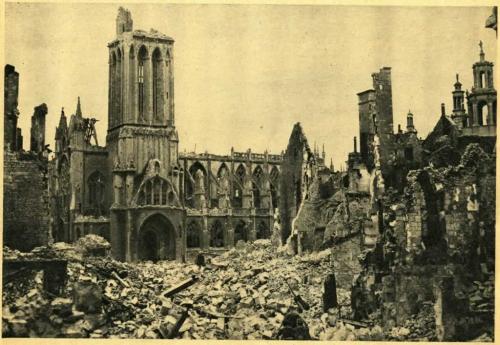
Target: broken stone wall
x,y
292,191
444,225
26,202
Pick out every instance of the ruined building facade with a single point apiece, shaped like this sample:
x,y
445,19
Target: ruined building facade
x,y
26,221
138,191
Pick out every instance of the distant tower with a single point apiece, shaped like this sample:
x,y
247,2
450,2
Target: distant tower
x,y
376,118
482,100
459,116
410,127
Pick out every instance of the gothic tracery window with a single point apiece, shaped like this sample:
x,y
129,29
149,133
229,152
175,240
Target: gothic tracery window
x,y
156,191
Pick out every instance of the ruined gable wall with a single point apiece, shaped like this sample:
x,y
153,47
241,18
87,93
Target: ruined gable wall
x,y
26,202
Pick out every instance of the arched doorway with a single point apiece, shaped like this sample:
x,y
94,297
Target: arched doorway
x,y
156,239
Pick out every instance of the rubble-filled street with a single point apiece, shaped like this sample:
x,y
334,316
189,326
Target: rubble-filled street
x,y
242,294
245,293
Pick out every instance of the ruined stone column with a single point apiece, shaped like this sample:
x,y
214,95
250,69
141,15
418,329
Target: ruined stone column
x,y
475,121
205,234
489,119
128,244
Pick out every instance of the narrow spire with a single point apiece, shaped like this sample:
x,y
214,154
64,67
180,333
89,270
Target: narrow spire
x,y
481,53
78,108
323,153
331,164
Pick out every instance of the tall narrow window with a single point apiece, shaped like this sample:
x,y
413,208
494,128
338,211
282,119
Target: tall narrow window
x,y
141,81
157,84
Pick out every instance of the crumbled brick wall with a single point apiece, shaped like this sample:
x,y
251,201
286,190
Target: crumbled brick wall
x,y
26,202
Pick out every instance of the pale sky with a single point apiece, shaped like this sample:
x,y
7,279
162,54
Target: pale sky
x,y
244,74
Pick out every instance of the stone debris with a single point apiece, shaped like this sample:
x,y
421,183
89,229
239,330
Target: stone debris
x,y
241,294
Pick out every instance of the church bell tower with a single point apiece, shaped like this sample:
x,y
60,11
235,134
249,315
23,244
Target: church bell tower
x,y
141,122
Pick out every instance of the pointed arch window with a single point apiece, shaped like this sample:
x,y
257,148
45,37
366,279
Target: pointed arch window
x,y
157,84
141,81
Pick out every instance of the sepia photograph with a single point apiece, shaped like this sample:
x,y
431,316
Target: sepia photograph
x,y
249,171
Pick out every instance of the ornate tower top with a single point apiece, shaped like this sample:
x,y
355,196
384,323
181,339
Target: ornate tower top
x,y
481,53
410,127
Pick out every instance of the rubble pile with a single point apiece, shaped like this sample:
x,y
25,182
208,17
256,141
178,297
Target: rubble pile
x,y
481,295
241,294
421,327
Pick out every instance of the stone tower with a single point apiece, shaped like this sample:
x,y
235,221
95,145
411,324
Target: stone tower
x,y
141,106
459,116
376,119
410,126
142,141
482,98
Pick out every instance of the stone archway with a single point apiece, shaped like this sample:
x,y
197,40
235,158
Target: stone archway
x,y
156,239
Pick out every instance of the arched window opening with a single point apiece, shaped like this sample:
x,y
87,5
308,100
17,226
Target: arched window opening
x,y
195,184
118,86
217,235
238,192
132,76
482,113
240,232
482,80
96,188
262,231
258,176
157,84
193,235
141,81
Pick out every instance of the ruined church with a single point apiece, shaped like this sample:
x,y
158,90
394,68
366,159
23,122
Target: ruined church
x,y
150,201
